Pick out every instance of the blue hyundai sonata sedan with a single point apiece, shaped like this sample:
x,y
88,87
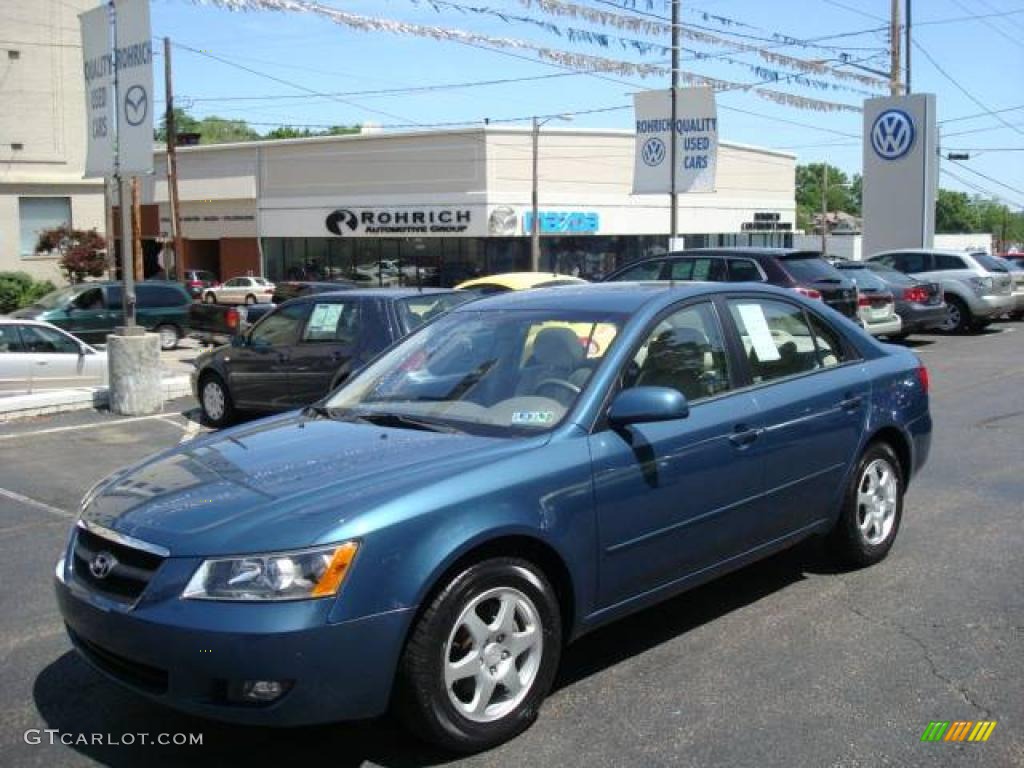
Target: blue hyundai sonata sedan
x,y
514,474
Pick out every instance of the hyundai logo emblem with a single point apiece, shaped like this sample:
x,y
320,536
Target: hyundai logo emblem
x,y
653,151
102,564
892,135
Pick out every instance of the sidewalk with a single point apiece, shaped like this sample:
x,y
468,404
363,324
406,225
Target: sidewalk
x,y
176,366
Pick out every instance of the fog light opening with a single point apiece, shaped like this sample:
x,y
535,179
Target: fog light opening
x,y
259,691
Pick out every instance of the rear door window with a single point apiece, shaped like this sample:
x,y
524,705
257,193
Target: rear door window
x,y
648,270
776,337
9,339
810,269
948,261
744,271
914,262
703,269
153,296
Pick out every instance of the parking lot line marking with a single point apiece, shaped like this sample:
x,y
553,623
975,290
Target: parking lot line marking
x,y
33,503
191,431
100,424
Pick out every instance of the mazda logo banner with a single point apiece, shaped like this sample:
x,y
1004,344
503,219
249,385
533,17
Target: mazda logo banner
x,y
696,131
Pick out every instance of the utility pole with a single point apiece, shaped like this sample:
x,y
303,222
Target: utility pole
x,y
137,260
124,194
173,269
535,219
673,196
906,45
824,210
894,49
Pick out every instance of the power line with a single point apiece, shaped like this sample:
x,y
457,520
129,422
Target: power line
x,y
976,115
963,90
981,175
990,25
980,189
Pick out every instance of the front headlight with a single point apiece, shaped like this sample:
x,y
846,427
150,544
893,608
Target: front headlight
x,y
309,573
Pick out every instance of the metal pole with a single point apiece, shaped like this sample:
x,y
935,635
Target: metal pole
x,y
127,262
907,45
894,49
174,268
535,218
673,193
824,210
137,259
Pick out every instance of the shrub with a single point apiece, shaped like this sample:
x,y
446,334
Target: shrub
x,y
18,289
81,251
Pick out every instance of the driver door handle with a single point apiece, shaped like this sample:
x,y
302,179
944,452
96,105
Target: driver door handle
x,y
742,436
851,402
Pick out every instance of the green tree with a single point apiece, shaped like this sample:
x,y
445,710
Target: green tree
x,y
954,212
843,194
183,123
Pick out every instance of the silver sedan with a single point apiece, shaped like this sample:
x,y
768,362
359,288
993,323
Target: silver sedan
x,y
36,356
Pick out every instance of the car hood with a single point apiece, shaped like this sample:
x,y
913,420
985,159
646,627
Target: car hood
x,y
281,483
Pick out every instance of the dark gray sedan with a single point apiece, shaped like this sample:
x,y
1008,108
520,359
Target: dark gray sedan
x,y
919,304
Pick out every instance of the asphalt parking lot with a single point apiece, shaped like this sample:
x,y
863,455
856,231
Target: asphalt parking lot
x,y
789,662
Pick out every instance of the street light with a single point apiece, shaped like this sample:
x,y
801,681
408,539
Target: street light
x,y
535,219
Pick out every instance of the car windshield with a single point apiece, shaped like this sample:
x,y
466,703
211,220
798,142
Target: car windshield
x,y
989,263
57,298
811,268
414,311
498,373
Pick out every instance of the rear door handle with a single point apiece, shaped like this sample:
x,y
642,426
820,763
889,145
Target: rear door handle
x,y
851,402
742,436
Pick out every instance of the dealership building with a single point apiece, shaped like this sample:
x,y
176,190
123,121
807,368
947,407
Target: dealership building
x,y
448,205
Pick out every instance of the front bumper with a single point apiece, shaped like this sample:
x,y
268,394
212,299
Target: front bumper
x,y
189,654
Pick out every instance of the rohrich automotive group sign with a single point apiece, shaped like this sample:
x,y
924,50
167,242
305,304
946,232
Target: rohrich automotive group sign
x,y
696,132
374,222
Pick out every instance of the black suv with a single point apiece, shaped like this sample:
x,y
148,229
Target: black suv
x,y
802,271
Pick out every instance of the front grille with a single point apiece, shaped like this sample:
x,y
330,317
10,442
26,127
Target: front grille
x,y
128,577
134,673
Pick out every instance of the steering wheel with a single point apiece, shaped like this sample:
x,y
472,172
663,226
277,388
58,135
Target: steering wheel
x,y
558,384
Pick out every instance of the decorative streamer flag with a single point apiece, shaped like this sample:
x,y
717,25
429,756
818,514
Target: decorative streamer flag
x,y
571,60
653,27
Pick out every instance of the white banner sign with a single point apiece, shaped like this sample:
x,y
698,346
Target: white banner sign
x,y
99,92
696,131
134,86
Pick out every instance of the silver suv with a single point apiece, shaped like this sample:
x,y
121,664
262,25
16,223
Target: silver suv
x,y
977,288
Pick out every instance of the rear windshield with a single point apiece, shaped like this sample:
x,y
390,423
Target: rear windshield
x,y
864,278
810,268
889,274
989,263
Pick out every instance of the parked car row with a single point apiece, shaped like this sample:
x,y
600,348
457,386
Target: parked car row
x,y
428,536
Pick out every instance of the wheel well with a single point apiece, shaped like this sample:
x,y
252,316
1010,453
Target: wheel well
x,y
534,550
898,442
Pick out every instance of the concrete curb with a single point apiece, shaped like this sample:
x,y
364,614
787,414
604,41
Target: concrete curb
x,y
82,398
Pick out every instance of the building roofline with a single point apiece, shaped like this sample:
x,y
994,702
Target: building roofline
x,y
483,130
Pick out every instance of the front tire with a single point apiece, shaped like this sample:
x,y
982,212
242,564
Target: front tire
x,y
958,318
215,401
250,299
482,657
872,508
210,298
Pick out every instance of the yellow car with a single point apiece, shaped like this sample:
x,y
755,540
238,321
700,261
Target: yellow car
x,y
517,281
595,338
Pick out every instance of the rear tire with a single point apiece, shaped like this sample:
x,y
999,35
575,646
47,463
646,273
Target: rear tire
x,y
482,657
872,508
215,401
169,337
959,318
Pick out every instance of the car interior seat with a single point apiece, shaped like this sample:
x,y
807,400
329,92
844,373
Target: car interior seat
x,y
677,358
557,354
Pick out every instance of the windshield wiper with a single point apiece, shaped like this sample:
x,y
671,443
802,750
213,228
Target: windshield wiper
x,y
316,410
387,419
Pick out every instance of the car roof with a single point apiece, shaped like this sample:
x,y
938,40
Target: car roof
x,y
519,281
947,251
745,250
383,293
623,296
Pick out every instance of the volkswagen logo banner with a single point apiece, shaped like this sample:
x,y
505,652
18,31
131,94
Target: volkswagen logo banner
x,y
696,132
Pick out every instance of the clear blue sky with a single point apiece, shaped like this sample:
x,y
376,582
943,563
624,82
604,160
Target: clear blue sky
x,y
983,54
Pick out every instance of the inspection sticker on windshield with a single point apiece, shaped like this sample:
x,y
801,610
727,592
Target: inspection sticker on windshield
x,y
759,332
533,417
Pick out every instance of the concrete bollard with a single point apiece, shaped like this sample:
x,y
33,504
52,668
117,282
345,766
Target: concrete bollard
x,y
133,362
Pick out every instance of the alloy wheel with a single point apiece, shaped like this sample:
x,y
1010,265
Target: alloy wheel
x,y
493,654
877,497
213,400
168,337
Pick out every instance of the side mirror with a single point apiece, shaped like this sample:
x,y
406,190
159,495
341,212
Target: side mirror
x,y
641,405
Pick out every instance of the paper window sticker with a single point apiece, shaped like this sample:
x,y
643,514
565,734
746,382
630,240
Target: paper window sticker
x,y
760,334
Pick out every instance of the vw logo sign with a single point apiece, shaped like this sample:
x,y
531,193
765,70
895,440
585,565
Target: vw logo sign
x,y
102,564
893,134
340,220
653,151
